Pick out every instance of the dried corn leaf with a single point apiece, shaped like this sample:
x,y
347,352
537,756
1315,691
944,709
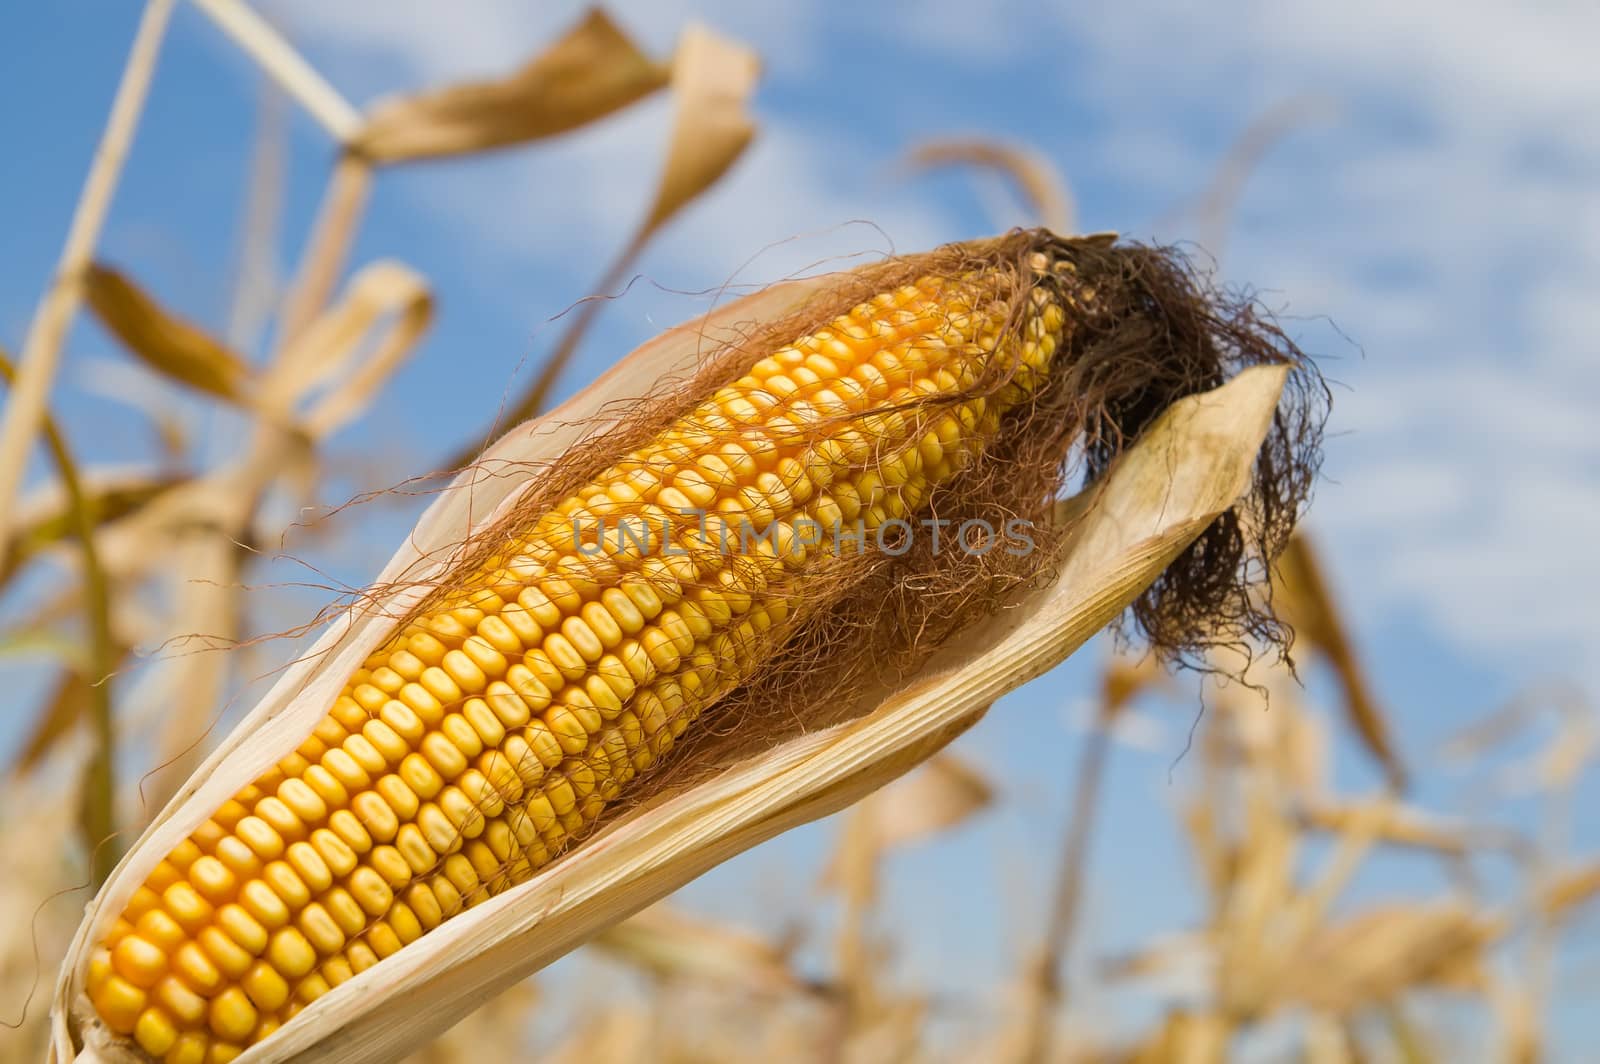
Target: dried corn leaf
x,y
1187,468
46,519
167,344
1041,184
1186,1038
1570,890
1384,952
672,945
381,293
589,73
56,719
943,793
1413,829
1306,602
712,80
1126,678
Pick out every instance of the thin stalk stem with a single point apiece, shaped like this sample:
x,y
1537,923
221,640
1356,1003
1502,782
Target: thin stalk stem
x,y
278,59
41,351
96,811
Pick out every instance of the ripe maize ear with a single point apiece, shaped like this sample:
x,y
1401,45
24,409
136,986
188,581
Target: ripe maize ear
x,y
497,724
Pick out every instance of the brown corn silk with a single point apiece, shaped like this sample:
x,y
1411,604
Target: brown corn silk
x,y
599,626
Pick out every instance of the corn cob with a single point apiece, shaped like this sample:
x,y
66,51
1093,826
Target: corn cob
x,y
493,729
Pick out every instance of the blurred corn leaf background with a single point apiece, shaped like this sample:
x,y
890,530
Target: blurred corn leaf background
x,y
270,267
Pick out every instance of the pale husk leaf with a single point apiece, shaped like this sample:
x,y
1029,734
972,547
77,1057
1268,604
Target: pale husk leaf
x,y
590,72
1190,466
175,348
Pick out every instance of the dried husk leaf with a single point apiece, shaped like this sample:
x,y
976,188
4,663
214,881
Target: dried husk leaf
x,y
1306,602
382,292
712,79
672,945
943,793
46,519
1126,678
166,343
1041,185
1570,890
1382,952
1187,468
590,72
55,720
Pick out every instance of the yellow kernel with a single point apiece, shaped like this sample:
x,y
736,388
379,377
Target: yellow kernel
x,y
190,1048
196,969
266,988
311,987
567,729
545,747
310,867
319,929
232,1015
182,1003
443,755
522,693
391,865
213,880
404,923
420,776
139,961
186,906
364,754
224,952
155,1032
384,942
370,891
499,634
465,672
257,834
239,857
344,909
361,956
484,722
336,970
461,735
119,1003
335,854
384,740
286,884
462,813
277,813
662,650
290,953
459,873
414,849
443,687
376,816
401,798
347,826
161,930
245,930
403,721
263,903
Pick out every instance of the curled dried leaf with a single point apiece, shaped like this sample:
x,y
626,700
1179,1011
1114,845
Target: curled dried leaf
x,y
672,945
381,294
592,71
171,346
1305,600
44,520
1041,184
712,80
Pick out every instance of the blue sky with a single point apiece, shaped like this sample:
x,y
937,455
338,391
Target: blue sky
x,y
1432,234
